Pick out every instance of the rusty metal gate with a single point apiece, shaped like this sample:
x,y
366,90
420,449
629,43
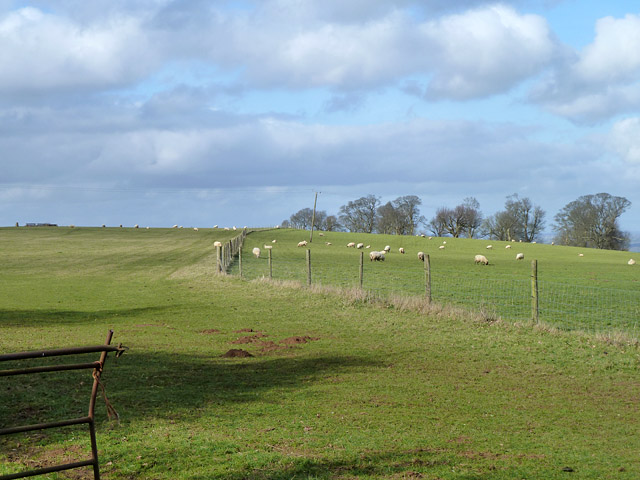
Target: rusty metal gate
x,y
97,367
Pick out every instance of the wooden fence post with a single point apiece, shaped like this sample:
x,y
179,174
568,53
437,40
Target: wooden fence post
x,y
534,290
270,265
218,259
427,277
361,269
308,267
240,259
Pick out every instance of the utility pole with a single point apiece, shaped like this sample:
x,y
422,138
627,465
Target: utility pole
x,y
313,217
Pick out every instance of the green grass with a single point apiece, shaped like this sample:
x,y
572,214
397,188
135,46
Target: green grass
x,y
598,292
381,391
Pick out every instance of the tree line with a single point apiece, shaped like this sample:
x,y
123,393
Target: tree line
x,y
589,221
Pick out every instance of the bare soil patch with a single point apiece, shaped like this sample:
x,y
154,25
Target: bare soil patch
x,y
296,340
237,353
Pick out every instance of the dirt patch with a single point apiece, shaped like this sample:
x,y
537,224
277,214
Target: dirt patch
x,y
209,331
298,340
244,330
237,353
249,339
269,346
35,457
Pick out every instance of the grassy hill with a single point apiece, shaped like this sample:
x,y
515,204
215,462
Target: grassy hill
x,y
339,385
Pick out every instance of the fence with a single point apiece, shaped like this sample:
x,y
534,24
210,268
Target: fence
x,y
514,297
97,367
226,252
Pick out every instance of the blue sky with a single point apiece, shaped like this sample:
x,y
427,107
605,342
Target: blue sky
x,y
229,112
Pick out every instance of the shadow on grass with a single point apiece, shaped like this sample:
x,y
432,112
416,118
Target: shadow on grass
x,y
162,385
39,318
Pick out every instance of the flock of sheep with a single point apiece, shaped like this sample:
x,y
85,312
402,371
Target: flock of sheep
x,y
379,256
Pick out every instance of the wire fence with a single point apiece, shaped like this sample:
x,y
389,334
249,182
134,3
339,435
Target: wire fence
x,y
513,297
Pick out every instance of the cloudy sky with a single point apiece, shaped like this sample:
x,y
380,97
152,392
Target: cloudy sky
x,y
234,112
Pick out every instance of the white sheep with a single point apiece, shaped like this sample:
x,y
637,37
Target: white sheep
x,y
328,243
430,238
401,250
387,248
215,226
520,256
274,241
377,256
581,254
351,245
508,246
321,234
217,244
631,262
444,242
235,228
481,259
195,229
359,246
489,247
135,226
302,243
368,247
175,226
256,252
441,247
421,256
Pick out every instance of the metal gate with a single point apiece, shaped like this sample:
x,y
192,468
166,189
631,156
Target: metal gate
x,y
97,367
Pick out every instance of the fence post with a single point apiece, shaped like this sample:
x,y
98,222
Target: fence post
x,y
534,290
308,267
270,265
427,277
240,259
218,259
361,269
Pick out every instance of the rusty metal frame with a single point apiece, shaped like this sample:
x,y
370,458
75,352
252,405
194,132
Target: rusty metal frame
x,y
97,367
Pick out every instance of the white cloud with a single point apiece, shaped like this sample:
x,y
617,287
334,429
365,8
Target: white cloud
x,y
602,80
625,140
40,51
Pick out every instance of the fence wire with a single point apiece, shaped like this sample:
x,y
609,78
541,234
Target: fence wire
x,y
565,306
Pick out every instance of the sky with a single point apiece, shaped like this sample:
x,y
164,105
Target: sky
x,y
204,112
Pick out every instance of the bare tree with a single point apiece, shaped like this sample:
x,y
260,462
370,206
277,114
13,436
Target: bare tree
x,y
360,215
520,220
465,219
592,221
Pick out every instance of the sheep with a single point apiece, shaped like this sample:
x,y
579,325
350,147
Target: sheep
x,y
302,243
256,252
430,238
368,247
176,226
441,247
328,243
195,229
508,246
235,228
489,247
377,256
553,243
444,242
520,256
215,226
387,248
581,254
401,250
217,244
359,246
351,245
422,235
226,228
104,226
321,234
274,241
421,256
481,259
631,262
135,226
147,228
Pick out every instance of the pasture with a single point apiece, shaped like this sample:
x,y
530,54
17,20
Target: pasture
x,y
339,385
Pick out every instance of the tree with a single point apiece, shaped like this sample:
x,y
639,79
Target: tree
x,y
301,219
408,214
331,224
360,215
465,219
592,221
387,219
520,220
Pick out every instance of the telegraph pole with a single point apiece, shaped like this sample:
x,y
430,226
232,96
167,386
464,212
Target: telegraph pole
x,y
313,217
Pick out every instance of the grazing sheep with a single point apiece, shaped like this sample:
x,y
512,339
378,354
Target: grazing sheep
x,y
581,254
176,226
215,226
274,241
234,227
277,226
351,244
368,247
421,256
422,235
631,262
430,238
401,250
553,243
302,243
520,256
377,256
359,246
256,252
387,248
489,247
104,226
135,226
328,243
226,228
481,259
217,244
195,229
441,247
508,246
321,234
534,242
444,242
147,228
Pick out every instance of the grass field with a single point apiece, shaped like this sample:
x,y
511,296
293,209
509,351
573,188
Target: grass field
x,y
339,386
597,292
